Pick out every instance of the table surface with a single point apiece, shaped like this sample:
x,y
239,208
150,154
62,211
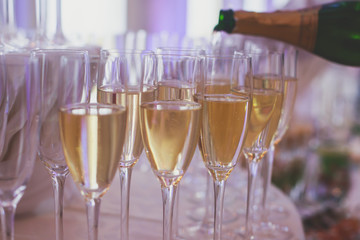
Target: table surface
x,y
146,207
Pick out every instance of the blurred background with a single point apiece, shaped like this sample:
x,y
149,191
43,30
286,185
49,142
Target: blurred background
x,y
102,22
317,161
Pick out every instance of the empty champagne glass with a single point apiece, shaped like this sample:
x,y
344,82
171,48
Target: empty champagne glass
x,y
267,99
16,38
226,99
121,78
19,132
65,78
93,136
10,36
170,124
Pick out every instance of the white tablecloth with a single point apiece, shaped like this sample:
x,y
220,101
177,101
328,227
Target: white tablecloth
x,y
146,208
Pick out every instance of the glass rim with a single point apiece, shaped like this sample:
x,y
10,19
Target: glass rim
x,y
177,50
65,52
227,56
70,106
178,55
134,51
258,52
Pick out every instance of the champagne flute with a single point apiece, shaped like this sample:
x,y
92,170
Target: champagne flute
x,y
19,132
268,89
226,99
10,36
121,79
170,124
65,79
186,231
290,86
15,38
98,130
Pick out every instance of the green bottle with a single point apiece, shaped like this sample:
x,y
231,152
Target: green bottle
x,y
331,31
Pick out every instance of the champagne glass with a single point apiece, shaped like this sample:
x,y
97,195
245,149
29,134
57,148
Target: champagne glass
x,y
19,134
98,130
290,86
268,89
226,99
15,38
65,79
120,68
187,231
170,124
10,36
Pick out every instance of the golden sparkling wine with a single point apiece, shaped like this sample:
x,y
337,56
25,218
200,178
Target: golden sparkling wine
x,y
170,131
133,145
223,129
93,138
274,120
263,108
290,86
175,90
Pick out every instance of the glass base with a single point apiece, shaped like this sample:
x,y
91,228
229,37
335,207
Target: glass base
x,y
265,231
275,212
198,214
202,231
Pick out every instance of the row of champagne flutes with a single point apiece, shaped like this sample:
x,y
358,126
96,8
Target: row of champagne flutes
x,y
264,64
51,152
58,63
208,85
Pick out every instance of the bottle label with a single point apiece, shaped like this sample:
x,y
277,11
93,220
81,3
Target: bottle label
x,y
295,27
308,28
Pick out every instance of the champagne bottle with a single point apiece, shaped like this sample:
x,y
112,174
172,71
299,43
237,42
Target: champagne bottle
x,y
331,31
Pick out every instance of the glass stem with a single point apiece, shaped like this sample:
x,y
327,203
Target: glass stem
x,y
252,172
9,15
58,182
93,211
7,221
41,6
267,165
125,179
219,190
176,213
59,35
168,196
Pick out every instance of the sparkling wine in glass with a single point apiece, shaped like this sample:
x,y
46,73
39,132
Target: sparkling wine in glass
x,y
170,124
123,83
267,99
93,137
64,78
19,125
226,99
